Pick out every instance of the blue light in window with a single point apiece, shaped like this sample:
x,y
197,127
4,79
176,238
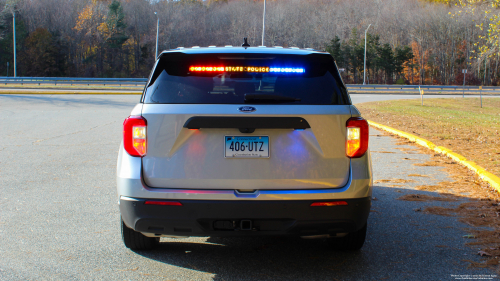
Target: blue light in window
x,y
286,70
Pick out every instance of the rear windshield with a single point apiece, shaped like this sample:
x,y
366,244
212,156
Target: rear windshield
x,y
246,78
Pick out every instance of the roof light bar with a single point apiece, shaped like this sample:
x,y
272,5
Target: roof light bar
x,y
246,69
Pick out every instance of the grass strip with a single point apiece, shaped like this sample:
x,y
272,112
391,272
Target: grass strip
x,y
455,123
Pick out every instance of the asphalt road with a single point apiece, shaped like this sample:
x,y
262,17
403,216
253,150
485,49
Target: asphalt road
x,y
59,217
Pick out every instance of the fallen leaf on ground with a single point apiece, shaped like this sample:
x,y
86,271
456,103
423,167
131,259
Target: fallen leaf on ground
x,y
423,197
475,264
417,175
492,262
483,253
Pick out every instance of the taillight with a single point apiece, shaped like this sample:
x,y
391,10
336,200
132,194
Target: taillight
x,y
135,135
163,203
357,137
329,204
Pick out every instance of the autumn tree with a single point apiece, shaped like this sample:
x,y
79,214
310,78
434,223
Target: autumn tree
x,y
117,38
403,56
41,54
489,41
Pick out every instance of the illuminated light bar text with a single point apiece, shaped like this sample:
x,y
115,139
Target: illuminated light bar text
x,y
261,69
229,68
286,70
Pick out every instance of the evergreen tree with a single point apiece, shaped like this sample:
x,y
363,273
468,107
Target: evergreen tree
x,y
382,62
115,22
386,61
372,47
334,48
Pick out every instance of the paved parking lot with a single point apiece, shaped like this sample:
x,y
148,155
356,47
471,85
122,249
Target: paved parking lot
x,y
59,218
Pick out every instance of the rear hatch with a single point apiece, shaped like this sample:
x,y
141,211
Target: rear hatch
x,y
246,121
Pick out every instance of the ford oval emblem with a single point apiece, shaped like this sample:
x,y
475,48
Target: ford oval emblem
x,y
247,109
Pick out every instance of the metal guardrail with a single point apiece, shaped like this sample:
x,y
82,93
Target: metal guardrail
x,y
76,79
139,82
423,87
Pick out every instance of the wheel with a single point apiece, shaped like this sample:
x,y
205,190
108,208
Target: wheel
x,y
137,241
351,242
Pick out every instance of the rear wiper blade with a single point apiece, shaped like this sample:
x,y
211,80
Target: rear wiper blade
x,y
268,98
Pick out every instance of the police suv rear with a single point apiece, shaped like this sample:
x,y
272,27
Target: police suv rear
x,y
244,141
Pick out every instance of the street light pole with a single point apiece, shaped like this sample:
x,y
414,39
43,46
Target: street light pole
x,y
157,30
364,68
264,23
14,30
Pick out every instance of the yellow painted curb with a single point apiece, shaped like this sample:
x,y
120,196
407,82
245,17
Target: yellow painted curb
x,y
490,178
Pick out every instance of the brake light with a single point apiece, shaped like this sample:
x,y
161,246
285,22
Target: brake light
x,y
328,204
163,203
135,136
357,137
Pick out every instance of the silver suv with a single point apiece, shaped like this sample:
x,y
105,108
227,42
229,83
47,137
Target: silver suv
x,y
244,141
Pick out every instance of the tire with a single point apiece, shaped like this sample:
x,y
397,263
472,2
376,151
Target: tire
x,y
351,242
137,241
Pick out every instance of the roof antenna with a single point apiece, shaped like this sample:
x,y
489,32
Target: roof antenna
x,y
245,44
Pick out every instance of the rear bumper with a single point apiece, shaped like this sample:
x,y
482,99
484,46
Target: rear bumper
x,y
224,217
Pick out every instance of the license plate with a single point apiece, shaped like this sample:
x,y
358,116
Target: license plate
x,y
246,147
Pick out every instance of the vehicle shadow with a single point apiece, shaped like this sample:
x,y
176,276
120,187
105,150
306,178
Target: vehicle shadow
x,y
259,258
403,243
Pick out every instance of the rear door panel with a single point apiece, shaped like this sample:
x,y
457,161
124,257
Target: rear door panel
x,y
178,157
